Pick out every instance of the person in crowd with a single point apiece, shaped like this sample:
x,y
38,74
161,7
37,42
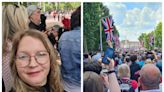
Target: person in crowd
x,y
159,61
142,61
86,58
134,68
37,21
92,82
70,52
14,19
149,61
92,66
96,57
150,78
66,23
125,82
109,77
53,35
33,63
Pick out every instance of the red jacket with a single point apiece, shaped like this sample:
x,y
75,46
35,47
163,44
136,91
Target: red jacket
x,y
66,23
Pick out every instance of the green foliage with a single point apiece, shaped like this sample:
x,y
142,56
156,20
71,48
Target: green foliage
x,y
93,12
49,5
157,32
92,15
158,35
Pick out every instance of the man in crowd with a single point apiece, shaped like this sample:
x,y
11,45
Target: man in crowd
x,y
150,78
70,51
34,13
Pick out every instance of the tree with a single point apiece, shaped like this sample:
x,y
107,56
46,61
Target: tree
x,y
157,33
93,12
49,5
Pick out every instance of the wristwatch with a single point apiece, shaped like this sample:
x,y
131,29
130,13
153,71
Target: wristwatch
x,y
111,71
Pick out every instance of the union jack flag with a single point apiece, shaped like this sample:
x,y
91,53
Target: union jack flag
x,y
116,41
107,24
151,39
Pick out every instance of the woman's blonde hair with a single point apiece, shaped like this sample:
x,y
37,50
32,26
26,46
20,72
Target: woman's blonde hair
x,y
54,76
123,71
14,19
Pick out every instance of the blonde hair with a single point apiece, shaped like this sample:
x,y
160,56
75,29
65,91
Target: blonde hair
x,y
14,19
54,76
92,82
149,61
123,71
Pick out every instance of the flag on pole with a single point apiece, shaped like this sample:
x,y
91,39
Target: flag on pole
x,y
116,41
151,39
107,24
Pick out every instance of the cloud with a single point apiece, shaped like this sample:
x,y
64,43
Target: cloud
x,y
133,21
118,10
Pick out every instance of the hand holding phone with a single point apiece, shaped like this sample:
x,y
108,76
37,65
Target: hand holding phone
x,y
109,53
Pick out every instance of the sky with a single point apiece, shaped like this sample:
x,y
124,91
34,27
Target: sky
x,y
133,18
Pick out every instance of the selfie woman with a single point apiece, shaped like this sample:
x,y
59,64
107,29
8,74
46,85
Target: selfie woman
x,y
33,63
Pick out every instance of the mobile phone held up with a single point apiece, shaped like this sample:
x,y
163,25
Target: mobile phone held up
x,y
108,53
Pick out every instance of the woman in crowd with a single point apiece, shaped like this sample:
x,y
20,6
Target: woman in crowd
x,y
33,63
14,19
125,82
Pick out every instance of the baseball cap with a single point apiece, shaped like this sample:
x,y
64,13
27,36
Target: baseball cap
x,y
32,8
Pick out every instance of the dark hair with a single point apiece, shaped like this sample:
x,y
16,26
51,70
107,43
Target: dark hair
x,y
43,22
76,18
127,59
133,58
92,66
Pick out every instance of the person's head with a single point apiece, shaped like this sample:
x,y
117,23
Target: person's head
x,y
55,31
92,82
149,77
123,71
14,19
133,58
76,18
93,66
34,13
33,62
148,61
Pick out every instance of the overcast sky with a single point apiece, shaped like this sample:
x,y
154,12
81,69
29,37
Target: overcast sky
x,y
132,19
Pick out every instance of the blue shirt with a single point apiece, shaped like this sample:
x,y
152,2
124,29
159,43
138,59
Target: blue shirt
x,y
70,52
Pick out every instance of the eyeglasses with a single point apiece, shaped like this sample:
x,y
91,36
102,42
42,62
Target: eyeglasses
x,y
24,58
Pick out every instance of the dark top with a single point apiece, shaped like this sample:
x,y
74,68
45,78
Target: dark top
x,y
40,27
134,67
45,88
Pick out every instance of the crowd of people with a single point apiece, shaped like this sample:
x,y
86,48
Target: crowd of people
x,y
135,71
36,55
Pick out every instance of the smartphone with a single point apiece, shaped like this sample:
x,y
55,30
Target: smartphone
x,y
108,53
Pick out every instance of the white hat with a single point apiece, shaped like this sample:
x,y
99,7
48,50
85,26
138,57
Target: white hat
x,y
31,9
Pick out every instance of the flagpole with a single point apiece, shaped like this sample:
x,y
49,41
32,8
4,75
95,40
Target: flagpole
x,y
153,39
101,37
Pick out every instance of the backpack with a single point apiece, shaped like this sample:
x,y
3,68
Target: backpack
x,y
125,86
